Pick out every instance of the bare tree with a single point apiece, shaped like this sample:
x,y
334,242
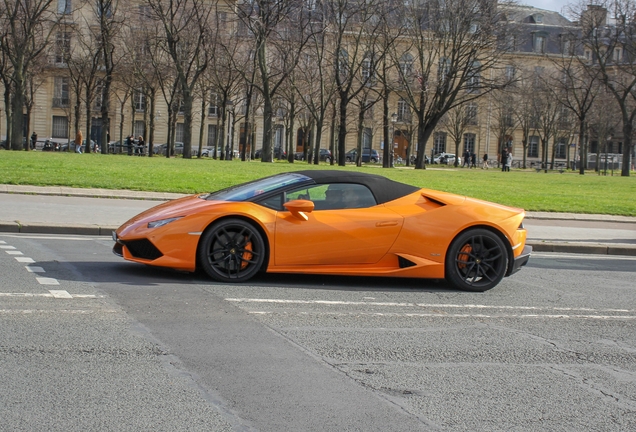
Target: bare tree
x,y
26,27
279,33
610,46
456,44
455,122
185,35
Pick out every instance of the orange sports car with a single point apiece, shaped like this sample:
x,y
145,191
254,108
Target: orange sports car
x,y
331,222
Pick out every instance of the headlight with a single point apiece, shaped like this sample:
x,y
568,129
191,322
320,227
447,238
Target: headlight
x,y
162,222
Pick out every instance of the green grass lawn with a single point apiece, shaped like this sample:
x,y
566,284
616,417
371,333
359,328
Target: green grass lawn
x,y
554,192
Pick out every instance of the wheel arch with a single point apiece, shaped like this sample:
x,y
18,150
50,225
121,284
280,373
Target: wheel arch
x,y
495,231
244,218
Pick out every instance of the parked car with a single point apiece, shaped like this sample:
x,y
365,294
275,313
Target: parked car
x,y
178,149
368,155
446,158
94,146
325,155
279,153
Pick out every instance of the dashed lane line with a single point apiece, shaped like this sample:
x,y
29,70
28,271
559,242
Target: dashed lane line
x,y
47,281
51,295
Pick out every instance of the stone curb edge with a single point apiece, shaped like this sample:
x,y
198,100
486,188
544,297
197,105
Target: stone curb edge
x,y
96,230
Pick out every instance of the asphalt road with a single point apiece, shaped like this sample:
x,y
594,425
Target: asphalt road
x,y
90,342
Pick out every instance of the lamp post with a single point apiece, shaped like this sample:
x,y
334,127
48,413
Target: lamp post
x,y
394,118
228,153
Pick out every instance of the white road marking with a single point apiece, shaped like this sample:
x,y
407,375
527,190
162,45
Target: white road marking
x,y
570,256
75,296
60,294
3,242
56,311
25,260
444,315
51,237
420,305
47,281
14,252
34,269
7,247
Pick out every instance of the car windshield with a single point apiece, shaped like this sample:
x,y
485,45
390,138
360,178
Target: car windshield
x,y
249,190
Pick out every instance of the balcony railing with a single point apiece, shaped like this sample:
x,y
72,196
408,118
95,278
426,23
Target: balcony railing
x,y
61,102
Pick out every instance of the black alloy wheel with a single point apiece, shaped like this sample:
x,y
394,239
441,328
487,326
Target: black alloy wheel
x,y
477,260
232,250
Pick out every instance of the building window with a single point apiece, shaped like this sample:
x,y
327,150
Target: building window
x,y
539,43
439,142
180,132
211,135
367,137
472,84
443,69
469,143
403,112
62,47
60,127
61,93
560,149
510,73
367,67
406,65
617,55
64,7
140,101
471,114
533,146
104,9
213,110
140,128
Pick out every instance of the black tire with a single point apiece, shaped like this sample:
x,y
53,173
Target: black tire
x,y
348,159
232,250
477,260
374,160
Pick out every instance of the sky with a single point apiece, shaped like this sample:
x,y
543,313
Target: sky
x,y
553,5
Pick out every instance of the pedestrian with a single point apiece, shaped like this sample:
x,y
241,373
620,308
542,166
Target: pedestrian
x,y
466,156
141,146
79,138
508,161
34,140
485,163
504,159
129,145
473,160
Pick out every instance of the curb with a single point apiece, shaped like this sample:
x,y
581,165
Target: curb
x,y
595,249
35,228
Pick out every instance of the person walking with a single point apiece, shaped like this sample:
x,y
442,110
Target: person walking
x,y
504,159
509,161
466,156
79,138
34,140
473,160
485,162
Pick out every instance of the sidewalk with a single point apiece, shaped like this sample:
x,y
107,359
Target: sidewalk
x,y
64,210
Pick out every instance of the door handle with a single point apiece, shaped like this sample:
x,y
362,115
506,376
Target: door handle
x,y
386,224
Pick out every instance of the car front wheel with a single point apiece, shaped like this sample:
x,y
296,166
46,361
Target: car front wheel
x,y
232,250
476,260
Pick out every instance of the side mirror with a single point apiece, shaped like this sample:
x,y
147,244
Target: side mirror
x,y
299,207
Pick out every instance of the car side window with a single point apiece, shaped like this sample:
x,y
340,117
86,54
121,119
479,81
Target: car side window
x,y
346,196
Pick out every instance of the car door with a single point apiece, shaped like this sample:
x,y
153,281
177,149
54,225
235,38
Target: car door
x,y
334,236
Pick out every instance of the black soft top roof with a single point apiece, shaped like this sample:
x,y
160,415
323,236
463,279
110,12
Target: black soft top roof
x,y
383,189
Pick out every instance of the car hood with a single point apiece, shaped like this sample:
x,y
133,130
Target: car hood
x,y
178,207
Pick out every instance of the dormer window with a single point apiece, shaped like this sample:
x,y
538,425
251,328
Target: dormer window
x,y
538,18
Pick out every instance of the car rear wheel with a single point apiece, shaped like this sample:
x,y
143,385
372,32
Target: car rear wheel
x,y
476,260
232,250
374,160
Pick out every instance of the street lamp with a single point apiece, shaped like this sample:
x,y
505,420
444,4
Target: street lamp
x,y
229,105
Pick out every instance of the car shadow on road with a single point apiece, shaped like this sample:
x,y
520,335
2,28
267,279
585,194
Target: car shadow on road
x,y
133,274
